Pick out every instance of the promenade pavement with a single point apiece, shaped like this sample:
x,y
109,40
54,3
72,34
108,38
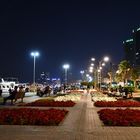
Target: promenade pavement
x,y
81,123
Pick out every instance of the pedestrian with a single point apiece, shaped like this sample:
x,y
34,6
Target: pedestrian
x,y
11,96
0,91
126,91
64,88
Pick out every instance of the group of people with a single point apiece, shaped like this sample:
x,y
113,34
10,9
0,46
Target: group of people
x,y
15,94
44,91
124,91
19,92
47,90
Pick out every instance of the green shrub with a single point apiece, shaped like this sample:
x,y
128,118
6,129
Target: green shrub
x,y
130,89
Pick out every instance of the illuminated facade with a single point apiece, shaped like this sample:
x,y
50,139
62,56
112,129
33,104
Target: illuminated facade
x,y
129,51
132,49
136,36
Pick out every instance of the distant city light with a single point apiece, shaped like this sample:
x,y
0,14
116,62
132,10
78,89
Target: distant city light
x,y
129,40
133,30
138,29
82,72
55,79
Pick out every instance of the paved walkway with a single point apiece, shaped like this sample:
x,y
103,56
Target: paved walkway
x,y
82,123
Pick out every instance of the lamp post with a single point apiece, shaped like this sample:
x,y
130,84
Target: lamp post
x,y
66,67
98,70
105,59
94,71
34,54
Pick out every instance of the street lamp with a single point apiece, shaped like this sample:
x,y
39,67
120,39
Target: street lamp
x,y
98,70
92,59
34,54
101,63
91,69
66,67
94,71
106,58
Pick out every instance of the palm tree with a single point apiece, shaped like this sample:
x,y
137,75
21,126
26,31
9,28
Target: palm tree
x,y
118,77
134,76
124,71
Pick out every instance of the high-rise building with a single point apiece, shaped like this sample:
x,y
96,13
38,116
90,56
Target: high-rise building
x,y
136,36
132,49
129,51
44,78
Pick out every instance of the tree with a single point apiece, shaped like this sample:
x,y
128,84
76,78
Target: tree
x,y
84,83
124,71
118,77
134,75
110,76
88,84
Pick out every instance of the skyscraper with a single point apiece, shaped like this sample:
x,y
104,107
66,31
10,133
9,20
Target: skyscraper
x,y
136,37
132,49
129,51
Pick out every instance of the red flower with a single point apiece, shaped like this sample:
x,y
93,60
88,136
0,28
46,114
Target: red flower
x,y
28,116
51,103
120,117
120,103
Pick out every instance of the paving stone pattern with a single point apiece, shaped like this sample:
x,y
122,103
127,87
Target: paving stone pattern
x,y
81,123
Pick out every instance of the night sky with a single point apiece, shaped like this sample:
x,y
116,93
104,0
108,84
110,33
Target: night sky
x,y
62,31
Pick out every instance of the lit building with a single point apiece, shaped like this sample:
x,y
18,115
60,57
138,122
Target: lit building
x,y
132,49
136,36
44,78
129,51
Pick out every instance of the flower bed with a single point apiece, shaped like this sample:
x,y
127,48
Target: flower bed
x,y
77,91
119,103
107,99
120,117
28,116
97,94
51,103
101,97
68,97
